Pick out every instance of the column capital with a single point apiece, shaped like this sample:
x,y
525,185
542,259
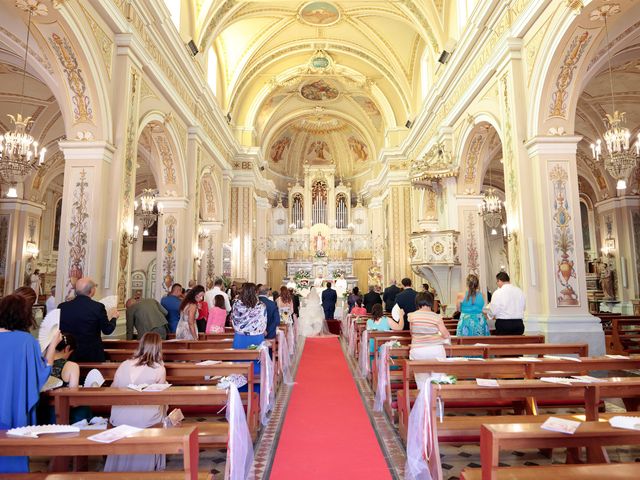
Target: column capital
x,y
81,150
212,226
19,204
547,145
173,203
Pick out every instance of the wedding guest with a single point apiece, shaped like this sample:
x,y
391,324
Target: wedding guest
x,y
210,295
145,366
379,323
507,306
472,322
358,309
24,371
171,303
428,332
202,313
371,298
146,315
389,296
353,297
217,316
285,305
50,304
406,300
187,328
273,315
249,320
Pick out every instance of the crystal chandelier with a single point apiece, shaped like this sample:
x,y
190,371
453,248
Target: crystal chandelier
x,y
19,151
490,209
146,209
619,159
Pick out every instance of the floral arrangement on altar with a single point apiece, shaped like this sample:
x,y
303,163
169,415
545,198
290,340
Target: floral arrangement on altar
x,y
339,272
320,254
302,279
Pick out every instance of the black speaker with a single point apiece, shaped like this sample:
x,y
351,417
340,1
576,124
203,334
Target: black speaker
x,y
228,117
409,124
193,48
444,57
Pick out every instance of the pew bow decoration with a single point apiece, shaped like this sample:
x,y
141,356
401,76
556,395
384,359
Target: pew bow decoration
x,y
363,358
239,443
284,360
383,375
423,462
267,391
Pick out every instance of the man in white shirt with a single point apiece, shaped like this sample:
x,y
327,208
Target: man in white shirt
x,y
210,295
50,304
507,307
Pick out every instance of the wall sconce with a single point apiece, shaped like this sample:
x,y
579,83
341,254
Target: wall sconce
x,y
132,238
32,250
507,233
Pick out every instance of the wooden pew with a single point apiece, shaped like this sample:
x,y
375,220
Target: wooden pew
x,y
625,336
593,435
182,440
132,345
193,355
618,471
211,434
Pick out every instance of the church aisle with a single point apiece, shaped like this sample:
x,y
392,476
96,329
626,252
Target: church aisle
x,y
326,432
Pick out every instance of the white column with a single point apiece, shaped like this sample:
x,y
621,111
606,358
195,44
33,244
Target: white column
x,y
472,242
263,211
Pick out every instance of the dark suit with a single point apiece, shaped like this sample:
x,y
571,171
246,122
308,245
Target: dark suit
x,y
370,299
406,300
85,318
329,299
273,316
296,304
147,316
389,297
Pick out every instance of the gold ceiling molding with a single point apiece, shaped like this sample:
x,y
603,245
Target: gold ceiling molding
x,y
422,21
43,61
104,41
215,22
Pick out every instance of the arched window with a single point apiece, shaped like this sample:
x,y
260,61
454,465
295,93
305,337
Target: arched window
x,y
342,213
174,9
212,70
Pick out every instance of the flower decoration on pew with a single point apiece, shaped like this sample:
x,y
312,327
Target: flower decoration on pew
x,y
233,379
444,379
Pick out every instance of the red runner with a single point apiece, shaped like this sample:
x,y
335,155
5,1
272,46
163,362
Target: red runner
x,y
326,432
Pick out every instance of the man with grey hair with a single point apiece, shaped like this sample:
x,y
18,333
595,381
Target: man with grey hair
x,y
273,314
86,319
389,296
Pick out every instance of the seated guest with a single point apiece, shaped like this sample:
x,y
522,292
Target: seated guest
x,y
187,329
171,304
217,316
507,307
371,298
428,333
358,309
86,319
24,371
146,315
379,323
472,322
146,366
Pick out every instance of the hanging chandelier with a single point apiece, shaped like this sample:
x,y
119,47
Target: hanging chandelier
x,y
490,209
146,209
619,158
20,154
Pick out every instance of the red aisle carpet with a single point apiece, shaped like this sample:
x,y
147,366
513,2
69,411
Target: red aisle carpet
x,y
326,433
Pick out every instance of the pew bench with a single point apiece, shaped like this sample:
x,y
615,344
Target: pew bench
x,y
625,336
192,355
619,471
183,440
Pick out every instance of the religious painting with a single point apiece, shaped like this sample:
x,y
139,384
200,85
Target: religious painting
x,y
371,109
358,149
319,91
320,14
278,148
318,151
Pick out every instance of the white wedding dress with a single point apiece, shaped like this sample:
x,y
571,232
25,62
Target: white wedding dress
x,y
311,322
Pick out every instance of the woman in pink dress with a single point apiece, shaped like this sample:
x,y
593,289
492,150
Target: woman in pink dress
x,y
217,316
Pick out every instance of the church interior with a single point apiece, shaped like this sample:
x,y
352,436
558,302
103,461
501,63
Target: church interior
x,y
295,143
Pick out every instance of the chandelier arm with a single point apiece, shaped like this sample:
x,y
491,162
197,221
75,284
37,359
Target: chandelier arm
x,y
24,66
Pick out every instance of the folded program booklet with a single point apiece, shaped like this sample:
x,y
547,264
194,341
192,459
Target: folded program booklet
x,y
560,425
114,434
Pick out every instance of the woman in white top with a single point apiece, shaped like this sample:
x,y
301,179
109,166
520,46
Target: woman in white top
x,y
146,366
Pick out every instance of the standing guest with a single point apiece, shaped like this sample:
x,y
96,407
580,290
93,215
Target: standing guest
x,y
389,296
353,296
146,315
249,320
50,304
371,298
146,366
274,294
192,283
171,304
472,322
285,305
273,315
329,299
406,300
85,319
187,328
203,312
24,371
35,282
428,333
210,295
425,287
507,307
217,316
296,302
358,309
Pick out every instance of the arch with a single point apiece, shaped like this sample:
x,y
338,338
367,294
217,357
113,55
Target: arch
x,y
210,208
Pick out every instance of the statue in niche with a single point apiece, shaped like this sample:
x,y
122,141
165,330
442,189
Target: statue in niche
x,y
606,282
291,248
319,242
349,248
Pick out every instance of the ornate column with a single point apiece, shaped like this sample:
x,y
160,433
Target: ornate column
x,y
88,221
261,264
175,254
242,217
211,263
398,221
472,241
554,280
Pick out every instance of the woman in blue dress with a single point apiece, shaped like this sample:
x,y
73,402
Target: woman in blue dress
x,y
472,322
24,371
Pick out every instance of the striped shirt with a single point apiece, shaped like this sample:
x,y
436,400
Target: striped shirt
x,y
425,329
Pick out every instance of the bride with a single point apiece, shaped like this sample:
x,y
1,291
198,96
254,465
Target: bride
x,y
311,322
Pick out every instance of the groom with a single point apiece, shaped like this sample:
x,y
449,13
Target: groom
x,y
329,299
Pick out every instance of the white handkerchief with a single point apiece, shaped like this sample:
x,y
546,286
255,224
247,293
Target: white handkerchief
x,y
114,434
487,382
560,425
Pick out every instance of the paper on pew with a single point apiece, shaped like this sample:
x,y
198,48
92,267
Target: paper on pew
x,y
32,431
560,425
113,434
209,362
520,359
480,344
617,357
559,380
453,359
558,357
154,387
487,382
630,423
587,379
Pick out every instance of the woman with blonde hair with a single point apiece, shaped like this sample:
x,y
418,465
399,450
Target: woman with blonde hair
x,y
146,366
470,304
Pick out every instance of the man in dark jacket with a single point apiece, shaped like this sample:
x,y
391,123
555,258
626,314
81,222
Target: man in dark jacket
x,y
371,298
406,300
389,296
273,314
85,319
329,299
